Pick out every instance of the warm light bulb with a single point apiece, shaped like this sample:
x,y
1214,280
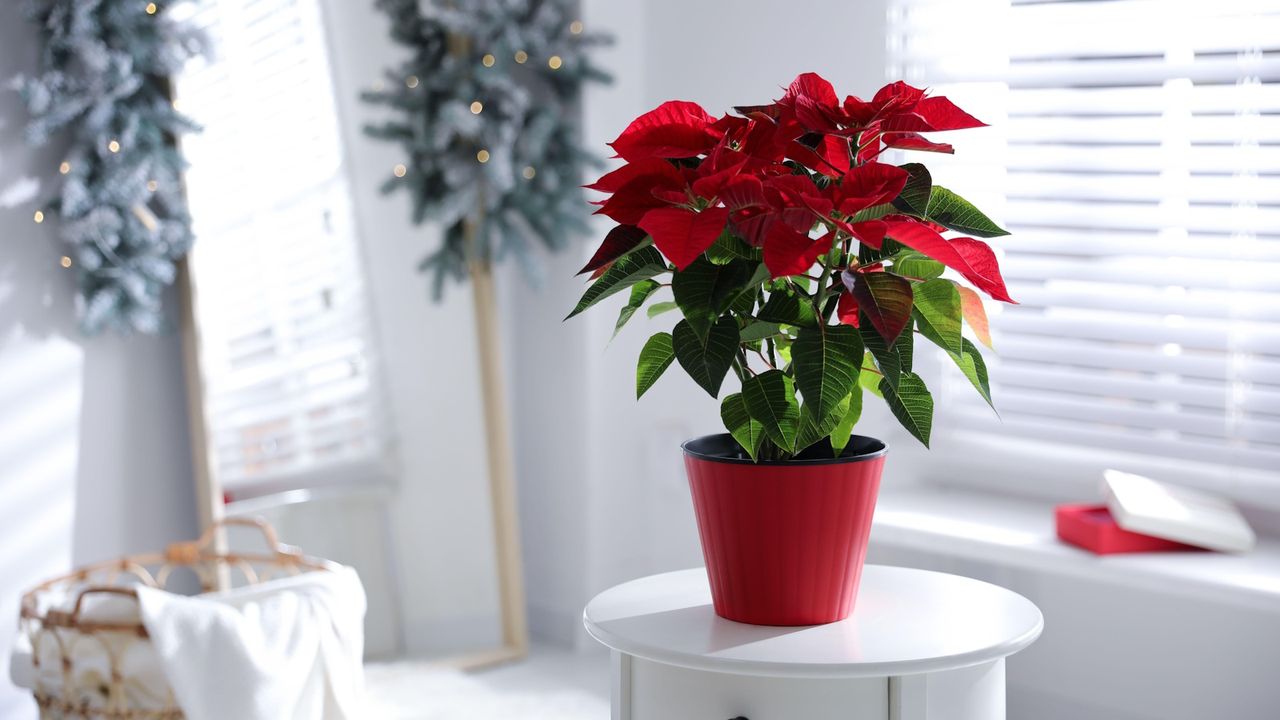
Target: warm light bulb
x,y
65,261
39,216
114,146
575,27
411,81
521,56
65,167
554,62
483,156
399,170
476,107
151,8
152,185
488,60
528,172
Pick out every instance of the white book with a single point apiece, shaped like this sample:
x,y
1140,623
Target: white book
x,y
1140,504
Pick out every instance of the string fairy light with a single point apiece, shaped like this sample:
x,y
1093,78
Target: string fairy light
x,y
411,82
38,217
477,107
522,56
151,8
114,146
399,170
65,167
483,156
575,27
528,172
554,62
152,185
488,60
65,261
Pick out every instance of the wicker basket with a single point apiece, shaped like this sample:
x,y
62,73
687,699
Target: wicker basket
x,y
95,682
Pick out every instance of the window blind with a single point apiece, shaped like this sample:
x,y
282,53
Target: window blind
x,y
283,316
1135,157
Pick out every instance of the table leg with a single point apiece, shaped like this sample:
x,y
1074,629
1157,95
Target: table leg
x,y
972,693
621,685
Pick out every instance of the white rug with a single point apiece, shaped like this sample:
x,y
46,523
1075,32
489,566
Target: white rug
x,y
412,691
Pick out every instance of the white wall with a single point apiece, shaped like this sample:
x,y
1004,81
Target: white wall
x,y
94,453
442,526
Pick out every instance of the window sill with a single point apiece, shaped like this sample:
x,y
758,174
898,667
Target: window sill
x,y
1020,533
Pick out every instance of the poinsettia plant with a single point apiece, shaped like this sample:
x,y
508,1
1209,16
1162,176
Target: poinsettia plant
x,y
799,260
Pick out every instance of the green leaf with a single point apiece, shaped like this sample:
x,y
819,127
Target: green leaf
x,y
914,198
658,308
975,368
950,210
844,429
639,293
937,311
771,400
758,330
916,265
785,307
707,359
886,356
868,380
906,350
875,212
625,272
704,290
728,247
745,429
911,404
814,427
655,358
826,359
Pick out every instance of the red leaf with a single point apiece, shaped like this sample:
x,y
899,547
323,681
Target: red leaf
x,y
743,191
616,179
869,184
814,101
709,186
942,114
915,141
984,268
869,232
682,235
886,299
643,193
620,241
974,314
973,259
896,97
674,129
847,309
787,252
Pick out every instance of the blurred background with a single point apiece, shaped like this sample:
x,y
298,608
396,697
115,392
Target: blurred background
x,y
1134,153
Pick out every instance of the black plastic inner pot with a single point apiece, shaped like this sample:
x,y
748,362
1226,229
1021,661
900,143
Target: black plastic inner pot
x,y
723,448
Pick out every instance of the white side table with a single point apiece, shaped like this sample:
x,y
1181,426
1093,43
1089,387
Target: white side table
x,y
919,645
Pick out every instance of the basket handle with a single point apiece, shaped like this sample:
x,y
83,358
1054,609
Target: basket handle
x,y
189,552
62,618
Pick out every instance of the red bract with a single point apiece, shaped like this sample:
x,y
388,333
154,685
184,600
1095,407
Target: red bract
x,y
796,178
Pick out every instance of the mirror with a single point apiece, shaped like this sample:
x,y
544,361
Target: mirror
x,y
327,393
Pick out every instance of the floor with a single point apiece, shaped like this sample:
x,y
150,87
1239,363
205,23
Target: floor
x,y
551,685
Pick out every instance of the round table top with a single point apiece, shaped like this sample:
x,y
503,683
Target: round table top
x,y
904,622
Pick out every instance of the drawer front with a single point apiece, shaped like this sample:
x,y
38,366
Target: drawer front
x,y
664,692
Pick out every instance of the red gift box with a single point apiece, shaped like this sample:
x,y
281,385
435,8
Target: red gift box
x,y
1092,528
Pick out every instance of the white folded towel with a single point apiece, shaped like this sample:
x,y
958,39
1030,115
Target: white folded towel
x,y
285,649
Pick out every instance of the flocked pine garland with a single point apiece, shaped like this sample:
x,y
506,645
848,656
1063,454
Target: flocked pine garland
x,y
103,78
484,111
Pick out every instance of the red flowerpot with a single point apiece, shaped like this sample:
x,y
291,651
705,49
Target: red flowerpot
x,y
784,541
